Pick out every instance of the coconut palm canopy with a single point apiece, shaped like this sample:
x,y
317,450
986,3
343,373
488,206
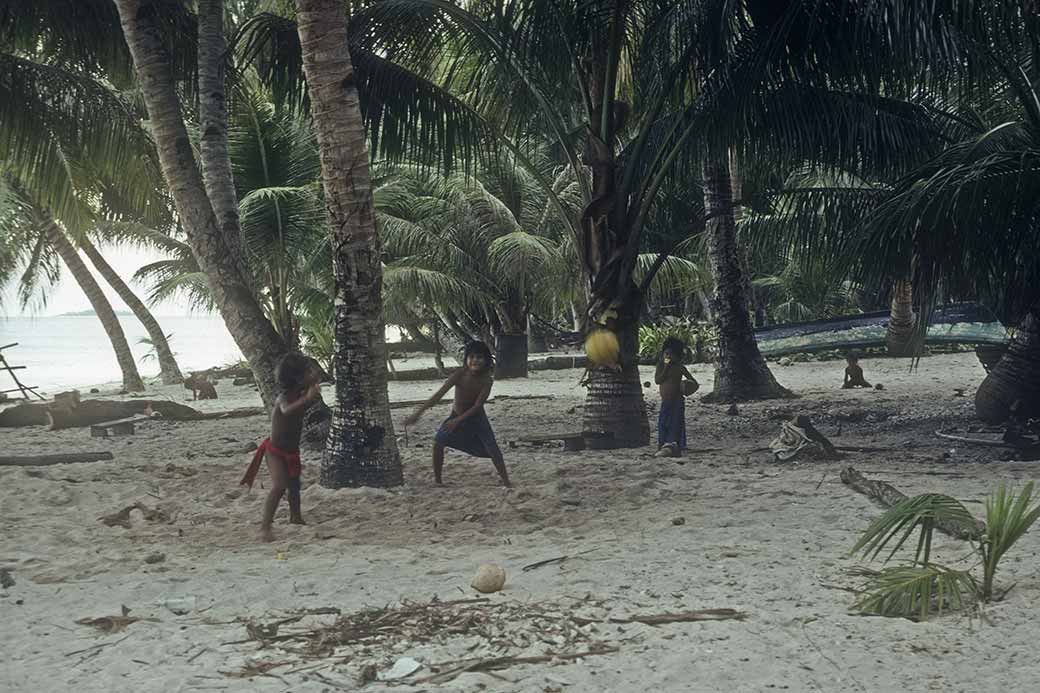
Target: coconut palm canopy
x,y
553,157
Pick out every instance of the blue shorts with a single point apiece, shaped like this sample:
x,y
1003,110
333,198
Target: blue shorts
x,y
473,436
671,423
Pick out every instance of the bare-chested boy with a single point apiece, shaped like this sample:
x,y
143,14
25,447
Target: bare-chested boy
x,y
468,428
297,377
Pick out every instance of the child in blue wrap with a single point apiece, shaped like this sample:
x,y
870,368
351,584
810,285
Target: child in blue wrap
x,y
671,422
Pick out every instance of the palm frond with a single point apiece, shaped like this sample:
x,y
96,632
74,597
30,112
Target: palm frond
x,y
909,591
902,519
63,131
1009,515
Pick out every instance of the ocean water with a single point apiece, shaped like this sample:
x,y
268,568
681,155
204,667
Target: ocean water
x,y
74,351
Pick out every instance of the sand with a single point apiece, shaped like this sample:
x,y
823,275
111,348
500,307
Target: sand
x,y
770,540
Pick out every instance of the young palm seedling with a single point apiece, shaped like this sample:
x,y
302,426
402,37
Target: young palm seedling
x,y
916,589
1008,517
912,590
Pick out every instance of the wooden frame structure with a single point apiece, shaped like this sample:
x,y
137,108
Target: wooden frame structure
x,y
25,390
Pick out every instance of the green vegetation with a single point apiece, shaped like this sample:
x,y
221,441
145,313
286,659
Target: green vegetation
x,y
921,587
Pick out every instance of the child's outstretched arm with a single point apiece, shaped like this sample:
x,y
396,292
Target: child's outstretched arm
x,y
302,401
436,397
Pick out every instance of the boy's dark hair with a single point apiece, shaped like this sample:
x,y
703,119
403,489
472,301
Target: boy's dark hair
x,y
291,372
674,345
480,349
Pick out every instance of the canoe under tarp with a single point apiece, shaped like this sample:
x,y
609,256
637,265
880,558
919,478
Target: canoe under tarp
x,y
957,323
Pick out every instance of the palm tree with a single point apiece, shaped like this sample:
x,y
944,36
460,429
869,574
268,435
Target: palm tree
x,y
899,335
231,287
274,157
481,252
665,90
203,200
30,226
168,368
969,218
361,448
77,152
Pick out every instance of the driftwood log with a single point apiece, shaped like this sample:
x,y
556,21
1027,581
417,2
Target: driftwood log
x,y
887,495
91,412
26,414
95,411
46,460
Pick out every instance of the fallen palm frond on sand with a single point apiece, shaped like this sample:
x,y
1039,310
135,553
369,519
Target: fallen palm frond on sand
x,y
506,633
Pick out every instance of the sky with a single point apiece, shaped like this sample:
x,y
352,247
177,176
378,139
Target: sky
x,y
67,297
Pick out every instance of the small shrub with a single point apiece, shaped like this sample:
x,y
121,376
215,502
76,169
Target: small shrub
x,y
699,337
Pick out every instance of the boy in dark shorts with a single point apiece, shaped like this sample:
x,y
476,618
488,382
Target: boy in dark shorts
x,y
670,375
468,428
297,377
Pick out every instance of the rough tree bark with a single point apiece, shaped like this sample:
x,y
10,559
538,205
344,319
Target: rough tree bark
x,y
170,371
899,335
510,355
243,315
614,403
213,127
361,448
60,242
1016,378
741,372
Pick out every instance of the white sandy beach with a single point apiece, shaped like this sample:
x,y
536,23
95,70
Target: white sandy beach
x,y
766,539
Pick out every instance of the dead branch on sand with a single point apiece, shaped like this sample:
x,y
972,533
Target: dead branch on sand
x,y
888,495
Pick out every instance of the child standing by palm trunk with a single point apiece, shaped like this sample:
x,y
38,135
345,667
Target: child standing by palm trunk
x,y
297,377
671,421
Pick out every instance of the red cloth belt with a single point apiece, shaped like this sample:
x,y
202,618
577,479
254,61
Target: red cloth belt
x,y
292,462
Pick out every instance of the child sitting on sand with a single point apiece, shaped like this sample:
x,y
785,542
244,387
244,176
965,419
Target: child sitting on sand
x,y
853,373
468,428
671,421
297,378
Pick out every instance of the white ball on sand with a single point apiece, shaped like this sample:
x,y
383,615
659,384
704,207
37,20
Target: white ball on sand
x,y
489,578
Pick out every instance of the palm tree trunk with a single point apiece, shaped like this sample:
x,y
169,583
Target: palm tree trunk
x,y
1016,378
510,355
614,403
232,292
361,448
899,336
56,237
741,373
213,149
171,372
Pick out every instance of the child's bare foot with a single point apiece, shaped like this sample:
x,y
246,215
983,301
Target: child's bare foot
x,y
266,535
297,520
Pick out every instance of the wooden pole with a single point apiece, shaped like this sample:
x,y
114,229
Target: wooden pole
x,y
45,460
